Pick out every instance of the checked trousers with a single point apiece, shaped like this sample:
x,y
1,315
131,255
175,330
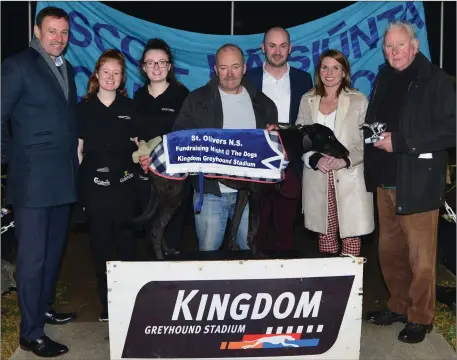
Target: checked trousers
x,y
328,243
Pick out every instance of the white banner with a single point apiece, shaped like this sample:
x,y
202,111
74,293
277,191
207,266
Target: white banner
x,y
257,309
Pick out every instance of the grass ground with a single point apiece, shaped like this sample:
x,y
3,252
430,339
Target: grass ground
x,y
10,324
11,318
445,318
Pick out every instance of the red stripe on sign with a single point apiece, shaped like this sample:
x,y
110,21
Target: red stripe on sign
x,y
223,345
251,337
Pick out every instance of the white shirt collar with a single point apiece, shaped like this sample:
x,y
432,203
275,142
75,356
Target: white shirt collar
x,y
279,92
272,77
58,61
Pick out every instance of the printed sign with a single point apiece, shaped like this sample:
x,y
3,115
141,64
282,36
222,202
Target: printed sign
x,y
268,309
250,153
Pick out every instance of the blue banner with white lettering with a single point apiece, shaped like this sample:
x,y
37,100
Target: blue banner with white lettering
x,y
356,30
251,154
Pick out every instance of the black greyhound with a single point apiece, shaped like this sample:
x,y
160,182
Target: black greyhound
x,y
169,193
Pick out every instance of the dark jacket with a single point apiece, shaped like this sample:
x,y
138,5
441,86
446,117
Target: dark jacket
x,y
203,109
300,84
43,146
426,125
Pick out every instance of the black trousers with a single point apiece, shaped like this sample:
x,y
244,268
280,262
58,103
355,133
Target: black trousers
x,y
41,234
111,239
173,234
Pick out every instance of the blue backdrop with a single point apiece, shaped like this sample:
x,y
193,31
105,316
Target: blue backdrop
x,y
356,30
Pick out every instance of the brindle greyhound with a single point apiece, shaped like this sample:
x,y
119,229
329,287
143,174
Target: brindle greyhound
x,y
169,193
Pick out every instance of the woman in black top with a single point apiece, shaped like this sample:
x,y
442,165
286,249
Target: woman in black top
x,y
157,105
106,179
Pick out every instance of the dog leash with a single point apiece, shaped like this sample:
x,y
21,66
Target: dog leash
x,y
358,259
10,225
199,204
450,212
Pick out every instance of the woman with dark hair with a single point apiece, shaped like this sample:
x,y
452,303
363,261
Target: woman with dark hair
x,y
334,193
159,101
106,179
157,104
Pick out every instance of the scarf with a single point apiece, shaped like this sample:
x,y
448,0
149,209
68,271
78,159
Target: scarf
x,y
63,80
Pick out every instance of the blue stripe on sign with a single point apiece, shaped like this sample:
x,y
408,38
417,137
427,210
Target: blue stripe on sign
x,y
300,343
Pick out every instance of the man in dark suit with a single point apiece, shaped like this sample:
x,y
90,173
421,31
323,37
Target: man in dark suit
x,y
284,85
38,98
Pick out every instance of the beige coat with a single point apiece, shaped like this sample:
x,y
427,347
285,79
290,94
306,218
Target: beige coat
x,y
354,203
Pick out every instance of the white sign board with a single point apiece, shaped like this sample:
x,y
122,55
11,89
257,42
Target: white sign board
x,y
256,309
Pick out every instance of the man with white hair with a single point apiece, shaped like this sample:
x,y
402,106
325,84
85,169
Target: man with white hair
x,y
416,100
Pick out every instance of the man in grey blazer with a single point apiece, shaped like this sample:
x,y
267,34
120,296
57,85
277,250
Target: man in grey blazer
x,y
37,105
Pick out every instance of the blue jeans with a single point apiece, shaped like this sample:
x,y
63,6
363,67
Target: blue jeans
x,y
212,220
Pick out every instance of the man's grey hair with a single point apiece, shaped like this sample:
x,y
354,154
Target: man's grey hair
x,y
402,24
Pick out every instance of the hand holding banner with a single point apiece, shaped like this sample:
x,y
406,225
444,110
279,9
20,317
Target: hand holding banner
x,y
253,153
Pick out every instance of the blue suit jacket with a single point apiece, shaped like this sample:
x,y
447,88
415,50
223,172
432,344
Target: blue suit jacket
x,y
42,149
300,83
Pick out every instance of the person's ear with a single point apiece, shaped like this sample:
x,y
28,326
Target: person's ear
x,y
37,31
415,43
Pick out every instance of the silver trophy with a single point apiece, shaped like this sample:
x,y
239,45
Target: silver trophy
x,y
377,129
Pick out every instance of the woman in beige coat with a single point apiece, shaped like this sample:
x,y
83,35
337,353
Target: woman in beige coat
x,y
334,192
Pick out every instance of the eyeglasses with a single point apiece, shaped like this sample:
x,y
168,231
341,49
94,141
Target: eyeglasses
x,y
161,63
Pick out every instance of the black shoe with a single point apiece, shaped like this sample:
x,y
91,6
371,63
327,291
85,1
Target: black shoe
x,y
414,333
325,254
172,252
385,317
43,347
53,318
103,316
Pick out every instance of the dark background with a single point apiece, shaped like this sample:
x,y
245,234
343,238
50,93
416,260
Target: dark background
x,y
250,18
